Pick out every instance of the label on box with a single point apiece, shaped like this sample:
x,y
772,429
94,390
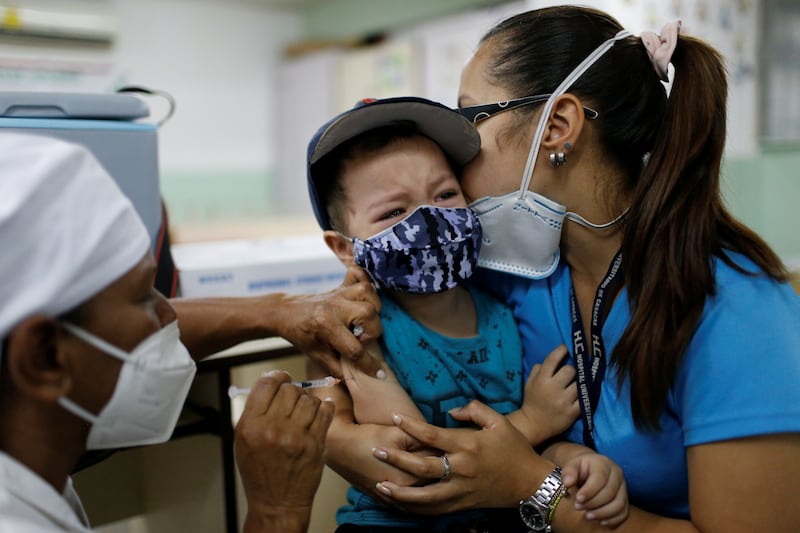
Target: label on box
x,y
250,267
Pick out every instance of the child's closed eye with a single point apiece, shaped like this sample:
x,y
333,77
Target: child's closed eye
x,y
392,214
447,195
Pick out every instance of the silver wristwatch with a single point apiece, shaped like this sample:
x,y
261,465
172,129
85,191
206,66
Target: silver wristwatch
x,y
536,511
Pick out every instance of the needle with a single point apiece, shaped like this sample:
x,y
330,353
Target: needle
x,y
328,381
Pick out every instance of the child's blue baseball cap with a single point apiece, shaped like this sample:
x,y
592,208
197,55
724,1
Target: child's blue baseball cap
x,y
455,134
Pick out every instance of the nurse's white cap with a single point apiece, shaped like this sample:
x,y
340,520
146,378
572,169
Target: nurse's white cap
x,y
66,229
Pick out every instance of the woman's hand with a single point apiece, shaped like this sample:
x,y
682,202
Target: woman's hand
x,y
350,452
280,439
492,467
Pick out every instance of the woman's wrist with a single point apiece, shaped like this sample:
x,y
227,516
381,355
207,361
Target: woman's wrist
x,y
532,472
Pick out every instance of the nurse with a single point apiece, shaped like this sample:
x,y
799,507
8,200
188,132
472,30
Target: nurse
x,y
91,355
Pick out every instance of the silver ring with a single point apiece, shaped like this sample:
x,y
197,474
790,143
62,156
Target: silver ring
x,y
446,464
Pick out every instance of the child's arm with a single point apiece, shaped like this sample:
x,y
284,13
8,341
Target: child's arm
x,y
598,480
550,405
374,400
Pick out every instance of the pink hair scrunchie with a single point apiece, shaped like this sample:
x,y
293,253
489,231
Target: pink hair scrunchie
x,y
661,47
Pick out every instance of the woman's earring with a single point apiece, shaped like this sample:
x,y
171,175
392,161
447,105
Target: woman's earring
x,y
560,158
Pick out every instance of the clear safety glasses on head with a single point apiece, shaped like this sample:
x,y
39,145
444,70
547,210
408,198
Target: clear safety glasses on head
x,y
431,250
151,388
522,230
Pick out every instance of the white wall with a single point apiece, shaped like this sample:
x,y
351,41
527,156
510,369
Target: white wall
x,y
218,58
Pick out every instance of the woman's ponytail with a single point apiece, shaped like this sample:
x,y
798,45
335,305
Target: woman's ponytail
x,y
676,228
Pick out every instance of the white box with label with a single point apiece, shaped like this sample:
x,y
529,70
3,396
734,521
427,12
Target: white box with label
x,y
248,267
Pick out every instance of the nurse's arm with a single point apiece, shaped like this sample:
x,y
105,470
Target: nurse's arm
x,y
318,325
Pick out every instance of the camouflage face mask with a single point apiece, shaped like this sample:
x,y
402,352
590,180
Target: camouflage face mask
x,y
431,250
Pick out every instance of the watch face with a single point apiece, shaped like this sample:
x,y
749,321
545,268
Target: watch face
x,y
532,516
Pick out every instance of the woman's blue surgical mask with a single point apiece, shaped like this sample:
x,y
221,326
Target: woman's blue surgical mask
x,y
431,250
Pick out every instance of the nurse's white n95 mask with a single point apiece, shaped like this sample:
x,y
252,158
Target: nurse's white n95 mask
x,y
152,385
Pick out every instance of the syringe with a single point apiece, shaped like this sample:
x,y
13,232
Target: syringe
x,y
327,381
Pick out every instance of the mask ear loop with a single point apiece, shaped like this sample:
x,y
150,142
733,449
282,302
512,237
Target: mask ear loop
x,y
97,342
527,174
575,217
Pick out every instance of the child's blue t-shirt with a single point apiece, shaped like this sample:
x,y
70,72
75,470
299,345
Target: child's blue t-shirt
x,y
740,375
441,373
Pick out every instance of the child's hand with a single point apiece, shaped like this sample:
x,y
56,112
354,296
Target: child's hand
x,y
551,396
601,491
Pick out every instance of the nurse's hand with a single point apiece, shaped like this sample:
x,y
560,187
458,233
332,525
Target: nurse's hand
x,y
280,440
492,467
321,325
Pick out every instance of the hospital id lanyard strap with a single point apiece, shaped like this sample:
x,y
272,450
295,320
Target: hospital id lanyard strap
x,y
590,383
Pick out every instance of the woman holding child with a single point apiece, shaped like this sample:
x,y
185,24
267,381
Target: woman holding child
x,y
604,227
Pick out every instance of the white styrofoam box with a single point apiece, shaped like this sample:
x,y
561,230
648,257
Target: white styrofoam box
x,y
294,265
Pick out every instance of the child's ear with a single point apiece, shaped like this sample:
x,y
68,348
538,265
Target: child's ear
x,y
36,359
340,245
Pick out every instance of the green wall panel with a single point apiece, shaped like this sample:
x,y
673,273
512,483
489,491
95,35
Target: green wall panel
x,y
347,18
764,192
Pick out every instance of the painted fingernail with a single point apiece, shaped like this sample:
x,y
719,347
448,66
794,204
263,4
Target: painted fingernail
x,y
380,374
358,330
380,454
383,488
604,523
590,515
397,419
578,506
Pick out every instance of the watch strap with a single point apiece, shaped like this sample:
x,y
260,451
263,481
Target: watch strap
x,y
544,501
561,494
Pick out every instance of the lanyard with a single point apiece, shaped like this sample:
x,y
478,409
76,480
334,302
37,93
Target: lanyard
x,y
591,366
